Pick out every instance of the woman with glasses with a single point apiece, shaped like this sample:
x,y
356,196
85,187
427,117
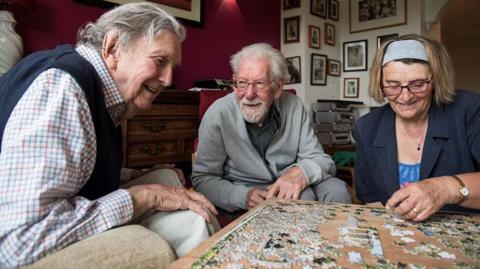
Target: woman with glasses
x,y
420,152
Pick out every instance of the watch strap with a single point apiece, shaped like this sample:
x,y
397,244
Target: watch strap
x,y
459,180
462,188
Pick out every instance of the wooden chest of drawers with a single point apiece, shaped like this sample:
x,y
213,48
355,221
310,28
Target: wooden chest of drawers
x,y
163,134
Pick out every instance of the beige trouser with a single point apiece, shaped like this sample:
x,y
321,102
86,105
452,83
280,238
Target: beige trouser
x,y
183,229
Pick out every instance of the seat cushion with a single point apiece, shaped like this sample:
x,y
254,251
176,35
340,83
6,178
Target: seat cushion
x,y
131,246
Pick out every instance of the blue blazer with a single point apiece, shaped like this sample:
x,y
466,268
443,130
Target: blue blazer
x,y
452,146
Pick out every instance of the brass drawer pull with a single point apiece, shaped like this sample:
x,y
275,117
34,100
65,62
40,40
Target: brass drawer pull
x,y
153,128
154,151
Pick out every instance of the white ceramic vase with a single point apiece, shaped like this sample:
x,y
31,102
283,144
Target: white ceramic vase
x,y
11,48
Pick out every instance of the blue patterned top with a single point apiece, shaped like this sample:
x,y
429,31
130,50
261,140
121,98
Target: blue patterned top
x,y
408,173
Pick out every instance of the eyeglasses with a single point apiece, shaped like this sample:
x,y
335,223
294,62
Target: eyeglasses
x,y
258,86
414,87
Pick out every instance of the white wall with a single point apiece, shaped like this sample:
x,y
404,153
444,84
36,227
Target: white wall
x,y
334,87
298,48
310,93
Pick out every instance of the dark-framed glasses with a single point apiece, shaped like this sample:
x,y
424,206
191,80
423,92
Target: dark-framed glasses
x,y
414,87
258,85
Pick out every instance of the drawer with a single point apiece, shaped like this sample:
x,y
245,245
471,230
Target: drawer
x,y
154,130
158,125
164,133
153,149
151,152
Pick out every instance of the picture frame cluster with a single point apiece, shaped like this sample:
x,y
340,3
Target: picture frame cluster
x,y
320,8
320,65
363,16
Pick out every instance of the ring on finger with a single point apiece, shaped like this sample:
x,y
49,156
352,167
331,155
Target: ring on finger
x,y
415,210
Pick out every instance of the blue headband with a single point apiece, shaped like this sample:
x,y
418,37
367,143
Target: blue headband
x,y
404,49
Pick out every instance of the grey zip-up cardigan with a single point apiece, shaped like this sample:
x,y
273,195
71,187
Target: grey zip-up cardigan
x,y
227,164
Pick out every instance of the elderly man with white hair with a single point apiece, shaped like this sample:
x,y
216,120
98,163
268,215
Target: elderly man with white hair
x,y
257,143
61,149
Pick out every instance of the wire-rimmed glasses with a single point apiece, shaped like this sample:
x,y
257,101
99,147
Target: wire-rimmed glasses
x,y
258,85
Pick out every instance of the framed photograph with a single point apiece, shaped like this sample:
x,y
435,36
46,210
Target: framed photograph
x,y
329,34
319,8
294,71
382,38
319,69
333,10
355,56
291,29
289,4
190,12
314,37
374,14
333,68
351,87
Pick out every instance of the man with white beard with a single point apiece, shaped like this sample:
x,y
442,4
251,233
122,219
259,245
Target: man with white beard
x,y
256,143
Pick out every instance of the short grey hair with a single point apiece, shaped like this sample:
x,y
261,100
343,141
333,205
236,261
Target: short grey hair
x,y
277,63
132,21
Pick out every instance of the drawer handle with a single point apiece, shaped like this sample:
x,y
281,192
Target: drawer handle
x,y
153,128
155,151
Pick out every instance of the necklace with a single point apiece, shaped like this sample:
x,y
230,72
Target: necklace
x,y
419,144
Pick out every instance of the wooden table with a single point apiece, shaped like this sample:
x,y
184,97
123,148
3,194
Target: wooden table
x,y
304,234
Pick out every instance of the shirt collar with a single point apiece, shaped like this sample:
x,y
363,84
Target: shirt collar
x,y
113,98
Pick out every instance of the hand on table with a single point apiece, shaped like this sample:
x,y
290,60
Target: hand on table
x,y
420,200
166,198
255,197
289,185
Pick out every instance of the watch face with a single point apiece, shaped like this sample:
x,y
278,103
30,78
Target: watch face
x,y
464,191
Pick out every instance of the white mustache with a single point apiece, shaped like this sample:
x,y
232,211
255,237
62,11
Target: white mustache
x,y
252,102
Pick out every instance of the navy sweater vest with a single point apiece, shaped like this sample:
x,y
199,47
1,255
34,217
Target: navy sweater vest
x,y
13,84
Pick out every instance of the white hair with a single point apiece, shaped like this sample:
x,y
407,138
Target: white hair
x,y
132,21
277,63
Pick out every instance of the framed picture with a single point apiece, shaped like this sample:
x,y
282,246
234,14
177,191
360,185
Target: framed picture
x,y
294,71
319,69
333,68
291,28
314,37
355,56
333,10
319,8
369,14
190,12
329,34
350,87
382,38
289,4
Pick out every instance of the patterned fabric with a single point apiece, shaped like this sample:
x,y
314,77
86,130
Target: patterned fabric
x,y
48,153
408,173
125,175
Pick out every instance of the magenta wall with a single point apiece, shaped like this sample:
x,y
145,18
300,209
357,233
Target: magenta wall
x,y
228,26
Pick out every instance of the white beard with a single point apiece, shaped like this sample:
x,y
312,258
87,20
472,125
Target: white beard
x,y
254,114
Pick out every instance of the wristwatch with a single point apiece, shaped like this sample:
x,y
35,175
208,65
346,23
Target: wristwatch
x,y
464,191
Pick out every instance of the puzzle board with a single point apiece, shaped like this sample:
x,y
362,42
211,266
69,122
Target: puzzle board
x,y
304,234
